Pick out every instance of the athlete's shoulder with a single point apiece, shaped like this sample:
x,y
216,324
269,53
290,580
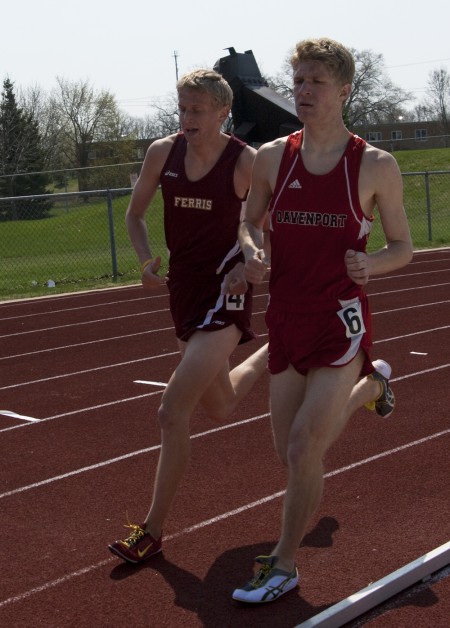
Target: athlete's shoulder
x,y
160,148
378,159
275,147
247,156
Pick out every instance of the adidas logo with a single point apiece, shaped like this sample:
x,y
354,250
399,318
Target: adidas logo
x,y
296,185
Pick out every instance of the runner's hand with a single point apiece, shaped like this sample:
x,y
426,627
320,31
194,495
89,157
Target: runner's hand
x,y
234,282
256,267
150,278
357,264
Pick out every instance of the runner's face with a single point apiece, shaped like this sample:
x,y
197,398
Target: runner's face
x,y
317,93
199,115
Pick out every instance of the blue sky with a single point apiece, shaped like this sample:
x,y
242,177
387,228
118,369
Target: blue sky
x,y
129,49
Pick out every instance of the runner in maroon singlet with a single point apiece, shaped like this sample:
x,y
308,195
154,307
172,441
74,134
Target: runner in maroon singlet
x,y
205,175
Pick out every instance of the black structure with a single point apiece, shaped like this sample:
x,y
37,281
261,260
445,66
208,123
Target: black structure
x,y
259,113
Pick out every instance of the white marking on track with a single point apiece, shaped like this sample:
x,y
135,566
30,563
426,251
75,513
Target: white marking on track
x,y
407,275
88,342
155,357
90,322
98,368
143,381
207,522
132,454
436,285
127,399
155,331
22,417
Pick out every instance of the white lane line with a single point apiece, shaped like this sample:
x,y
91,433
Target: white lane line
x,y
155,357
429,286
90,322
410,307
22,417
417,373
395,450
82,307
127,399
407,275
88,342
102,320
155,331
87,307
97,368
416,333
54,583
143,381
132,454
139,452
429,261
203,524
91,408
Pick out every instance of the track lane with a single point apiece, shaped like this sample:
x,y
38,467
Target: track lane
x,y
193,567
192,581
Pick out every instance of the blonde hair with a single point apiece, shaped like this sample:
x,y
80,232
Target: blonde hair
x,y
337,58
211,82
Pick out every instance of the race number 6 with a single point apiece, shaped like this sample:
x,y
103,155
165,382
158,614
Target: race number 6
x,y
351,316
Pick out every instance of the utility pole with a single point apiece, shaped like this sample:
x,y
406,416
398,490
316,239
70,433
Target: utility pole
x,y
175,56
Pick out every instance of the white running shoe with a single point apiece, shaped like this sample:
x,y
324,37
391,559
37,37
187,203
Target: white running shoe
x,y
382,367
384,404
268,584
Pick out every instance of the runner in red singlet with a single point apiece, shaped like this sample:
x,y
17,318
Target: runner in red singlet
x,y
320,187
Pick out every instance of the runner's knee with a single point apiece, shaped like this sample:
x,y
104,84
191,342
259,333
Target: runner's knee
x,y
170,419
304,447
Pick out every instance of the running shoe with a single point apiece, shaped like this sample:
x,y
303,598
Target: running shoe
x,y
385,403
137,547
268,584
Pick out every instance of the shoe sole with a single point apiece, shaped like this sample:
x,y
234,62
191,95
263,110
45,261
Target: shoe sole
x,y
288,588
385,416
116,552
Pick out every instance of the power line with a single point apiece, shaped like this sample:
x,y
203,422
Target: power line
x,y
404,65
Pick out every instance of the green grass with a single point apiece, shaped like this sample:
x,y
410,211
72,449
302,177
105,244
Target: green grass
x,y
423,224
72,247
423,160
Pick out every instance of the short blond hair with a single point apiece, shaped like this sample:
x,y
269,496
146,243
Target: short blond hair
x,y
211,82
336,57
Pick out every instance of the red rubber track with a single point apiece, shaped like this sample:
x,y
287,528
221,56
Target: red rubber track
x,y
68,479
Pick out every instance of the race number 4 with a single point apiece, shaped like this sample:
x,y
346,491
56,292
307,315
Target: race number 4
x,y
351,316
234,301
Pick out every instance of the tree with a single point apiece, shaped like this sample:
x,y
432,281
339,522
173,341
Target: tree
x,y
20,153
167,120
84,117
374,97
439,97
282,82
35,102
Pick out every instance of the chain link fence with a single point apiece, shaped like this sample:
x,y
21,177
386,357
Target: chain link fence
x,y
77,240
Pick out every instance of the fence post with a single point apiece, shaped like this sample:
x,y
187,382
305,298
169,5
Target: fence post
x,y
427,188
111,233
